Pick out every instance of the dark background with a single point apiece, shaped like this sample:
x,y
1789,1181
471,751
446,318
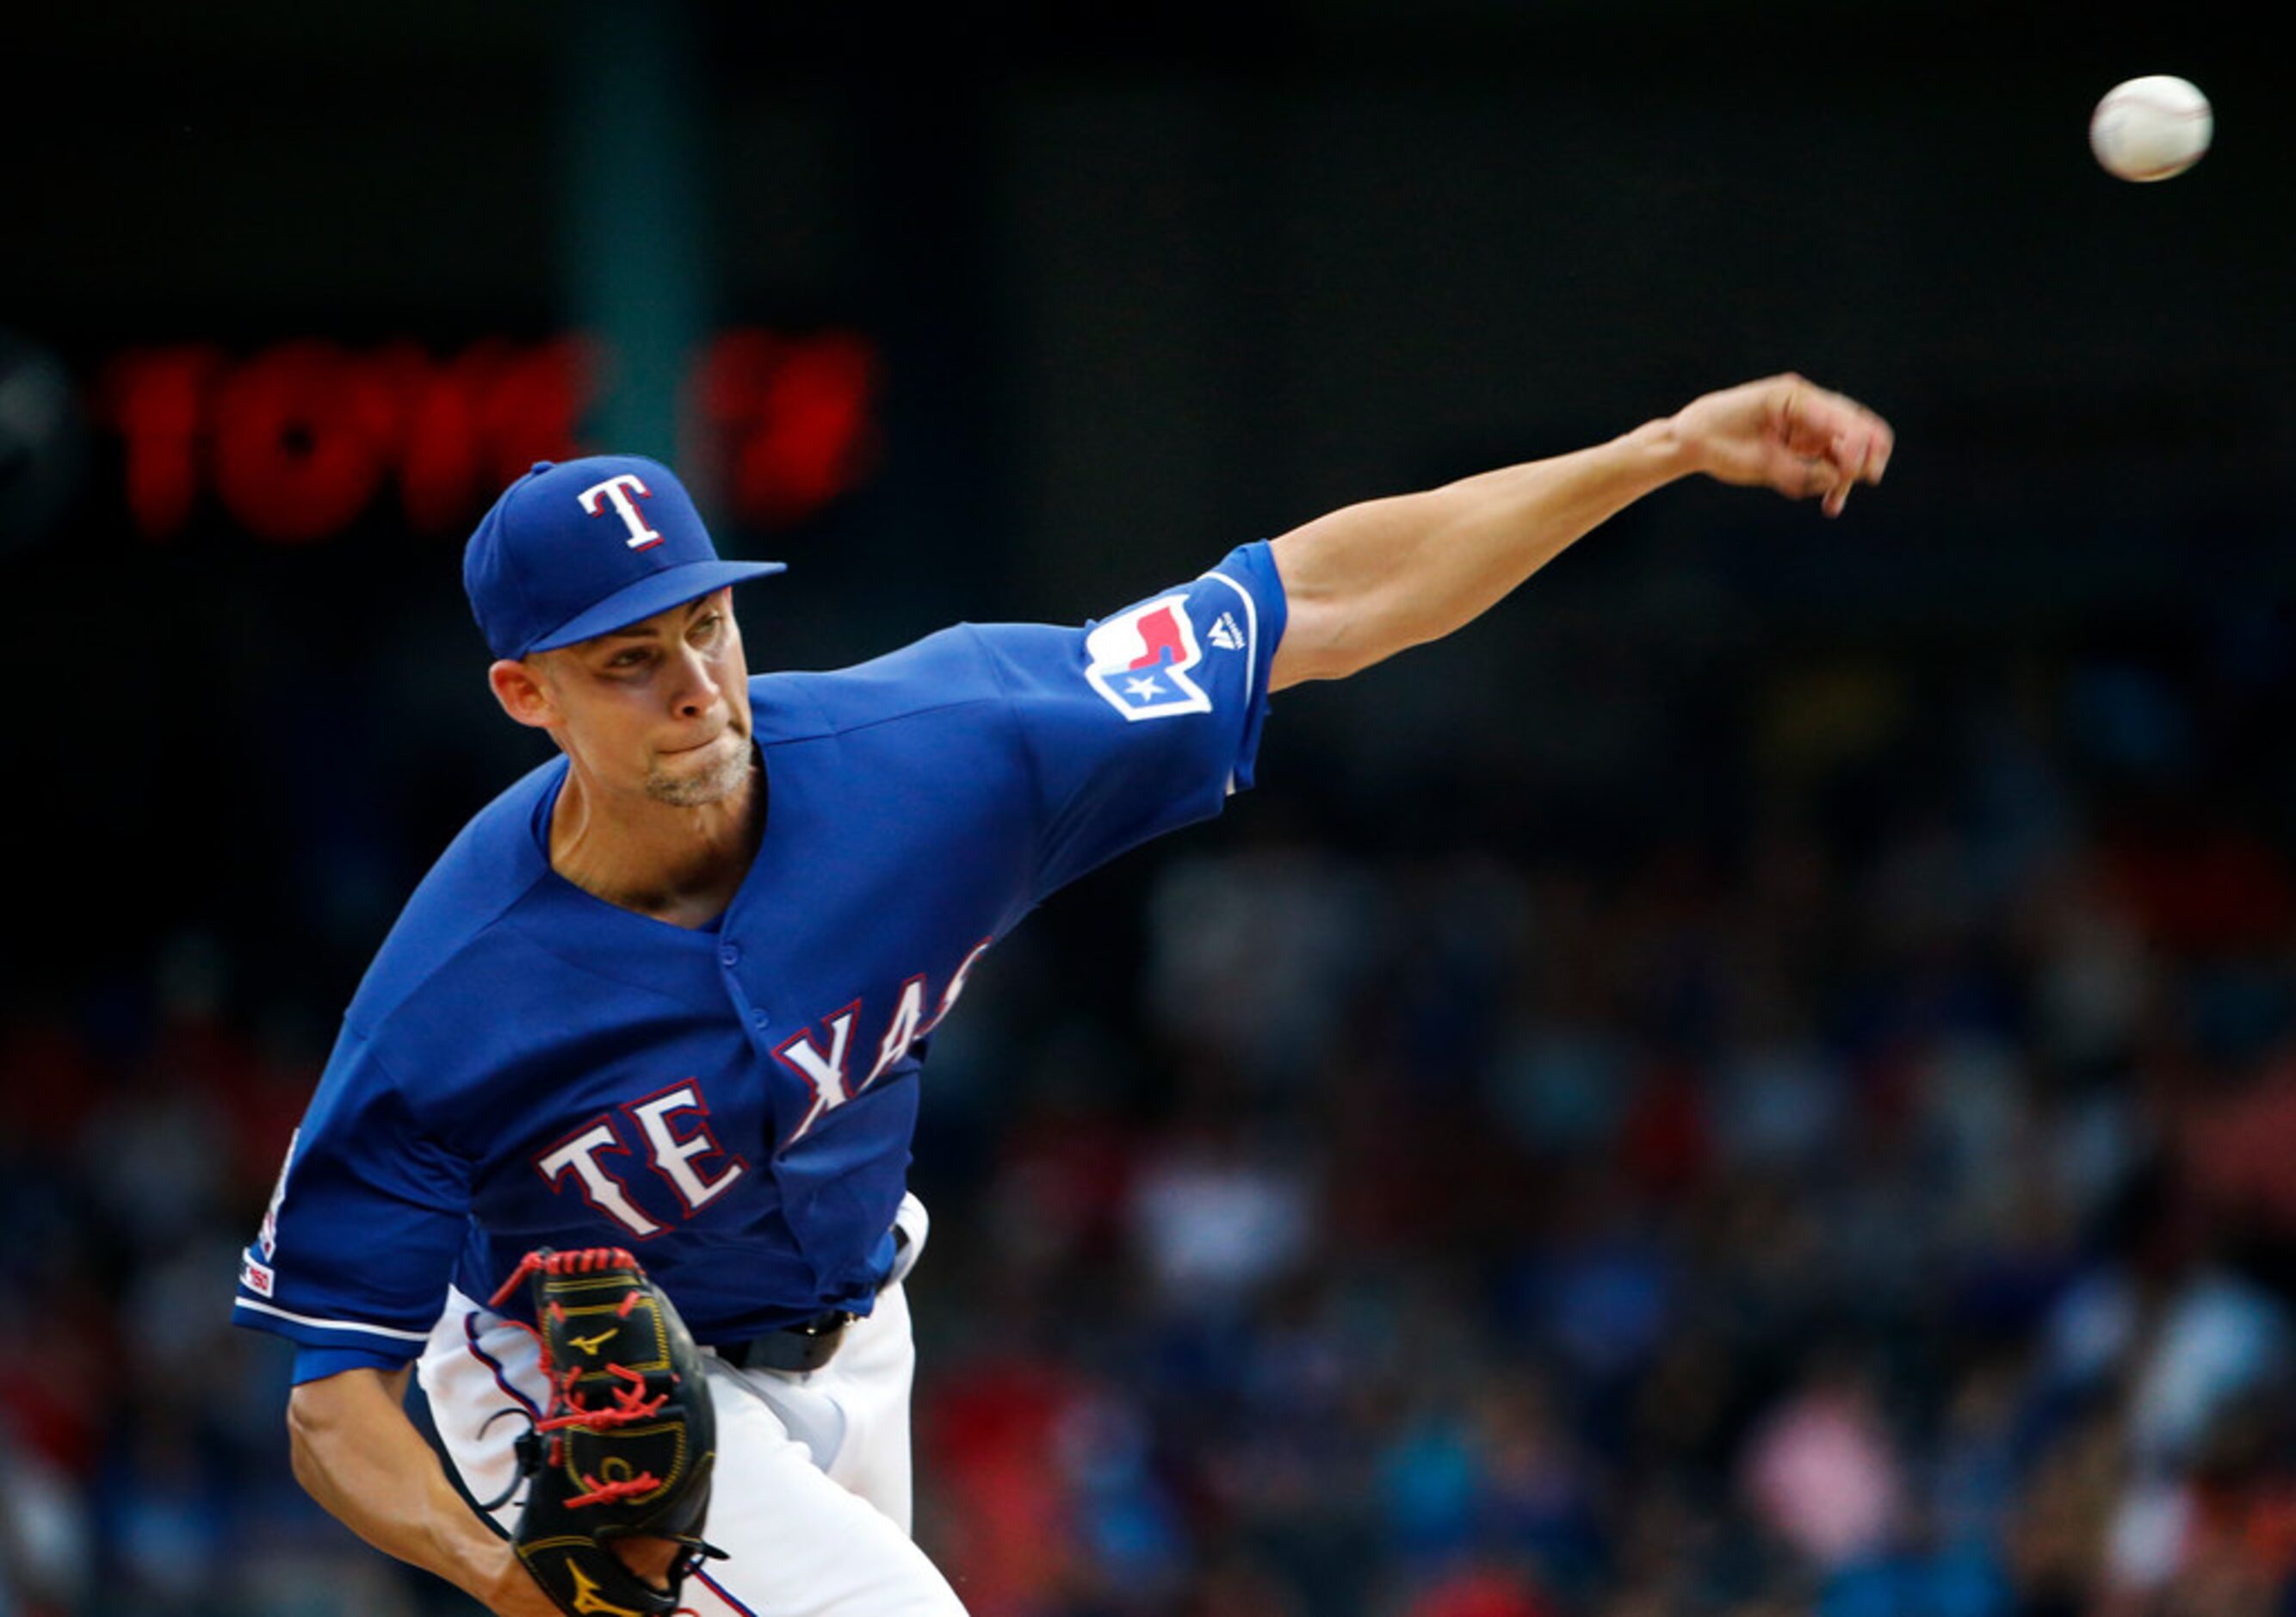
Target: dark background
x,y
1139,287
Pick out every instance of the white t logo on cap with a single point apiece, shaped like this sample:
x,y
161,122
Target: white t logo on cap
x,y
617,489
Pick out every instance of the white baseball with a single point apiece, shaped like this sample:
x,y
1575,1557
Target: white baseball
x,y
2150,129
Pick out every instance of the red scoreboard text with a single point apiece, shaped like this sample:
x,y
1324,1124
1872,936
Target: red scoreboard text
x,y
296,441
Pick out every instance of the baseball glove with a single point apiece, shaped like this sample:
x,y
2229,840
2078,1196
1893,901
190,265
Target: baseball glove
x,y
626,1446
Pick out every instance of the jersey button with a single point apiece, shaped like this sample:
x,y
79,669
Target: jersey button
x,y
730,954
759,1017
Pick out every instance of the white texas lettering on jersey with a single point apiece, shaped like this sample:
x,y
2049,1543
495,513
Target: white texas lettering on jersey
x,y
823,1071
602,1190
617,490
957,983
673,1158
901,1033
676,1145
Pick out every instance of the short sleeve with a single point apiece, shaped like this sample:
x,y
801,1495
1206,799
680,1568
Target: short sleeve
x,y
365,1222
317,1364
1145,720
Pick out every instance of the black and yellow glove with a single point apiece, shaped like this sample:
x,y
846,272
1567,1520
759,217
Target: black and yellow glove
x,y
624,1449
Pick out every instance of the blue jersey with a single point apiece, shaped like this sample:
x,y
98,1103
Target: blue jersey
x,y
527,1065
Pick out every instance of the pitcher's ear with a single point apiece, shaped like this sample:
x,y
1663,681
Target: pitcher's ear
x,y
523,692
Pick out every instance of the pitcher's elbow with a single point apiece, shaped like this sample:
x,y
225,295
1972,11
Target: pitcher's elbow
x,y
305,1426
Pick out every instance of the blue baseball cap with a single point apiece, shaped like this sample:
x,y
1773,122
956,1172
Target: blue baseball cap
x,y
580,547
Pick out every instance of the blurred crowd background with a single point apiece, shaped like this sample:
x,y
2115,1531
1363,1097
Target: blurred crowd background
x,y
1761,1080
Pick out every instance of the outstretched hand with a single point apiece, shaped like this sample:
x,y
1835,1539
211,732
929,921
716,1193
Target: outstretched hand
x,y
1785,433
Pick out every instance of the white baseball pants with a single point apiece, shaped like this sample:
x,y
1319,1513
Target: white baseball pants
x,y
811,1493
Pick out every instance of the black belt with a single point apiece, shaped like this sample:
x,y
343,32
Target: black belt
x,y
805,1347
800,1348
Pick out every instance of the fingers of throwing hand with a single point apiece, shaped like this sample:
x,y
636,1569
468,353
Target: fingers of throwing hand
x,y
1801,439
1847,461
1827,476
1863,457
1852,444
1807,476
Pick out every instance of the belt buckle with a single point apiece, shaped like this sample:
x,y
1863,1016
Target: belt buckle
x,y
799,1349
805,1348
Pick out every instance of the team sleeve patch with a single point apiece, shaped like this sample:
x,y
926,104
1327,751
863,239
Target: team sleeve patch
x,y
260,1278
1139,660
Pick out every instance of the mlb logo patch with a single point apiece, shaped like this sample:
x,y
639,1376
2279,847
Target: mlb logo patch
x,y
1139,660
254,1276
